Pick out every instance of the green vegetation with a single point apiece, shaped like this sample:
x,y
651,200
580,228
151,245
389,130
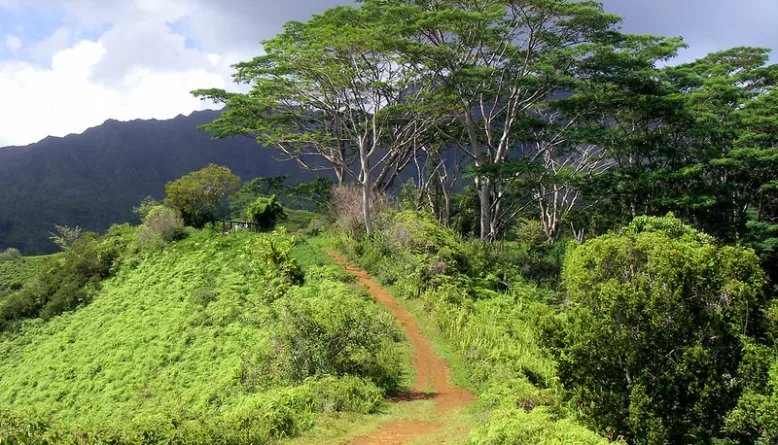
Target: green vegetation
x,y
72,281
609,275
161,225
10,254
656,334
265,212
668,314
192,343
13,274
197,195
489,316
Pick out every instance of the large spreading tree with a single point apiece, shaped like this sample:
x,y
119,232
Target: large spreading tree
x,y
337,88
495,63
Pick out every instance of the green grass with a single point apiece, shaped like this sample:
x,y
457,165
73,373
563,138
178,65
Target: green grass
x,y
13,274
169,340
297,221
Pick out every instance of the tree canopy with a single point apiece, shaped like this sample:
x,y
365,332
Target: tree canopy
x,y
197,195
657,322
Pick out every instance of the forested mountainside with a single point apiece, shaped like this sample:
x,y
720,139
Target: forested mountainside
x,y
94,179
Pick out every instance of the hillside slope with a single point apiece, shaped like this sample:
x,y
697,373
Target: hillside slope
x,y
94,179
201,337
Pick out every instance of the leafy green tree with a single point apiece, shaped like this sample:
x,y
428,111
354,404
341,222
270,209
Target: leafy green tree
x,y
697,139
251,190
265,212
197,195
316,195
655,328
493,70
334,88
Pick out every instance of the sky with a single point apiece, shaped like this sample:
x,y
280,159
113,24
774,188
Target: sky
x,y
67,65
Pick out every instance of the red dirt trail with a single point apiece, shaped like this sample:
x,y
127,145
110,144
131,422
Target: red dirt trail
x,y
432,372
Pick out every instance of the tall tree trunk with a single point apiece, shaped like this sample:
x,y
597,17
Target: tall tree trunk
x,y
366,188
340,175
485,199
446,220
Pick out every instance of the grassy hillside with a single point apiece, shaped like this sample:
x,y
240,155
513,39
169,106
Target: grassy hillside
x,y
202,340
13,274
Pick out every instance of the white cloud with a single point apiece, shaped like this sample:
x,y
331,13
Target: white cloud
x,y
13,43
56,42
147,43
63,99
138,68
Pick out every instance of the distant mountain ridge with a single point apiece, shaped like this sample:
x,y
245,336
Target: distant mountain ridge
x,y
93,179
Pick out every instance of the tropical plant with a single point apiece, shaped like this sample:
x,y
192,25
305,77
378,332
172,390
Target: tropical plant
x,y
197,195
265,212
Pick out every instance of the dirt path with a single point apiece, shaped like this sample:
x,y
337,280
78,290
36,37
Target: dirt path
x,y
432,373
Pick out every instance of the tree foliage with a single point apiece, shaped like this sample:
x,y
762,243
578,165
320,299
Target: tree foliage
x,y
197,195
265,212
161,225
65,236
657,322
145,206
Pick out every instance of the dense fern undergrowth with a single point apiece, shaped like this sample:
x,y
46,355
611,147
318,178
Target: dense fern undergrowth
x,y
217,339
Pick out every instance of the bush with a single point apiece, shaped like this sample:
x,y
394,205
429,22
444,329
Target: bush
x,y
348,209
162,225
258,419
324,331
68,285
653,335
529,232
265,212
10,254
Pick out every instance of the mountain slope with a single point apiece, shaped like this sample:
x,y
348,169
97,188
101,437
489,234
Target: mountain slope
x,y
94,179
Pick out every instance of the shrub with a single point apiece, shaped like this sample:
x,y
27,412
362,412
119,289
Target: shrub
x,y
10,254
265,212
259,419
324,331
66,286
162,225
347,206
529,232
653,334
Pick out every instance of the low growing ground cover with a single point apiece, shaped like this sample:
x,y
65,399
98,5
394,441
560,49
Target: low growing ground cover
x,y
212,339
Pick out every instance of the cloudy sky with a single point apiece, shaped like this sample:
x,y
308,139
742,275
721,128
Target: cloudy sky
x,y
66,65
